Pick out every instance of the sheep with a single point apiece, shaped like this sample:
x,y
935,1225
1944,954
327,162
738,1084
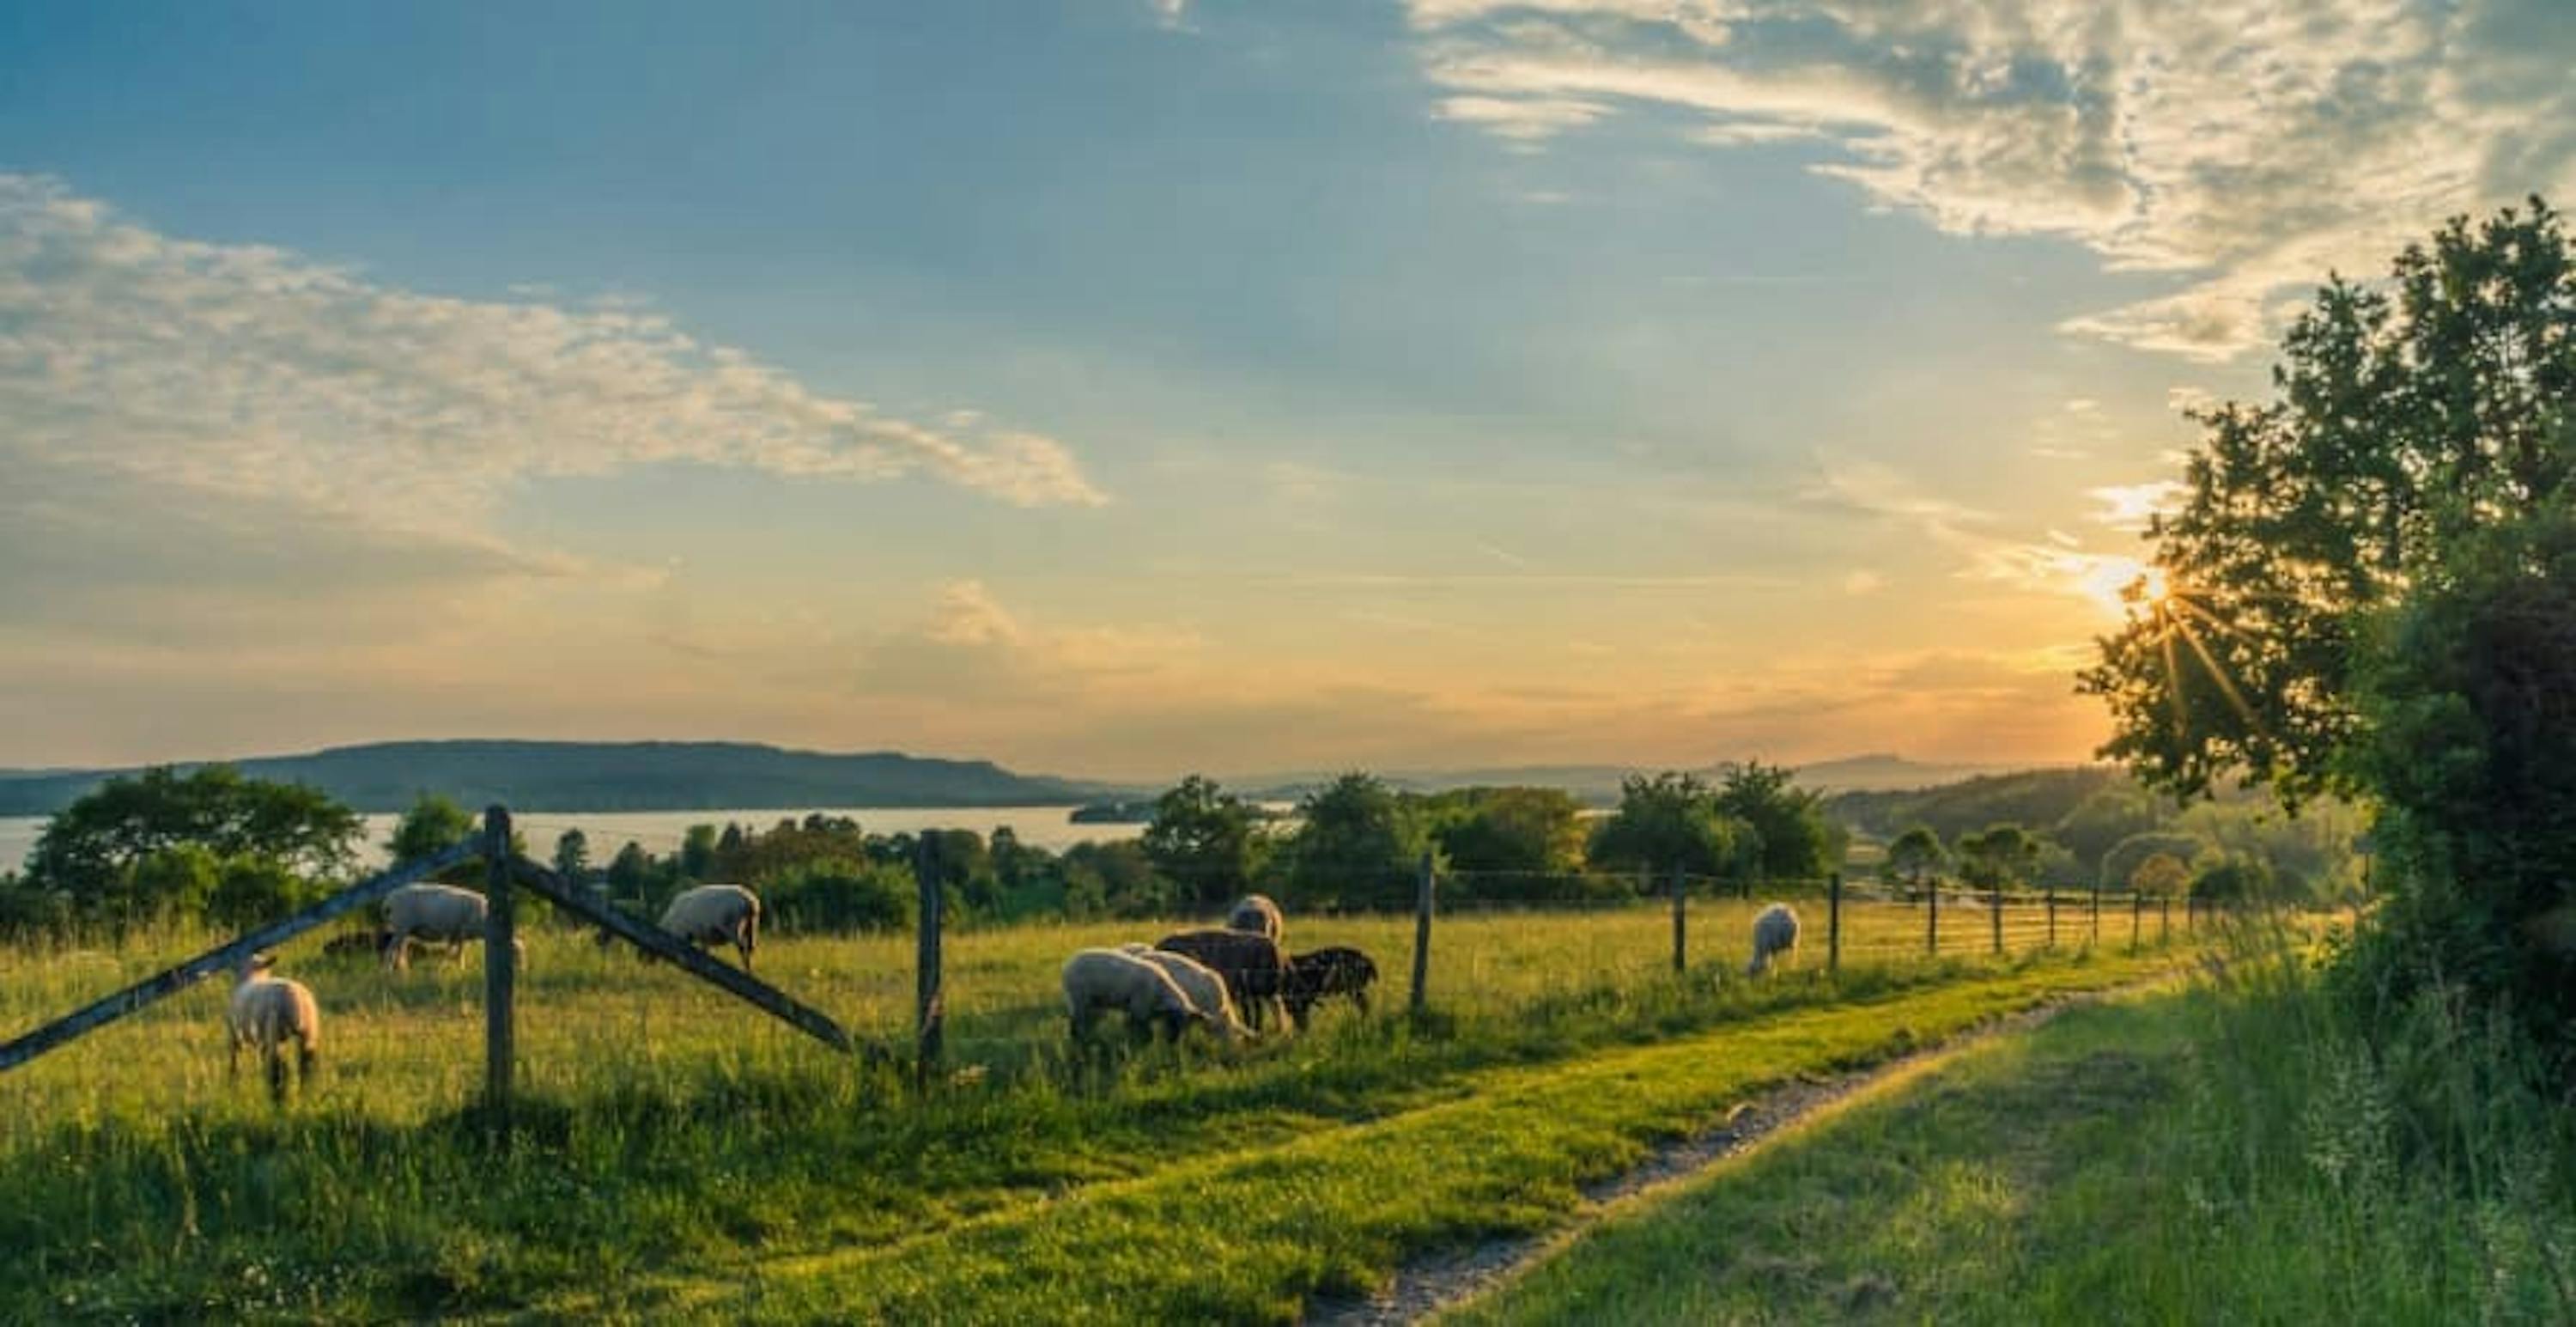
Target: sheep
x,y
1098,979
1775,933
1197,981
1251,964
443,913
266,1012
1331,971
1256,913
715,915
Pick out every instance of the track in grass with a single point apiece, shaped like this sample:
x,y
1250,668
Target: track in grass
x,y
1425,1287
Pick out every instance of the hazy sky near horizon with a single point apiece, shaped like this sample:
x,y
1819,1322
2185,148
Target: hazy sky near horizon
x,y
1126,388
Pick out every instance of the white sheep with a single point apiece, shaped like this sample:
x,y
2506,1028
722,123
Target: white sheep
x,y
1256,913
265,1013
442,913
1199,982
716,915
1098,979
1775,933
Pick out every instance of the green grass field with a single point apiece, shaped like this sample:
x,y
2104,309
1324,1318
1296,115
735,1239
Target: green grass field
x,y
676,1149
2217,1154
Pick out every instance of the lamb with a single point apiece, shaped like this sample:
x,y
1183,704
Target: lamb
x,y
266,1012
1256,913
715,915
1098,979
1775,933
1330,971
1251,964
443,913
1197,981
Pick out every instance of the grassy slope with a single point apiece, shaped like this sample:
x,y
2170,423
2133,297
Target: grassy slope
x,y
2183,1158
1245,1236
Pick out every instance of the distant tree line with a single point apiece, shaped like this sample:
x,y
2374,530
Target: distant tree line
x,y
213,846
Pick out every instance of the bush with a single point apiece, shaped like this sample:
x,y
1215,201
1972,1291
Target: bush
x,y
839,894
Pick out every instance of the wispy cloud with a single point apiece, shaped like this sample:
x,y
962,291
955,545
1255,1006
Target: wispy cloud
x,y
2245,145
250,371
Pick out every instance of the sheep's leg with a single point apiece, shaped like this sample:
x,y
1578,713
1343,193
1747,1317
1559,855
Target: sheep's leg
x,y
1360,997
275,1054
232,1047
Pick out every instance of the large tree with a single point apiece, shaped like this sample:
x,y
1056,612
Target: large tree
x,y
2404,418
113,850
1359,845
213,806
1670,822
1798,843
2367,588
1202,839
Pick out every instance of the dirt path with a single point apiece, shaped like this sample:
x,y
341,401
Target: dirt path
x,y
1428,1285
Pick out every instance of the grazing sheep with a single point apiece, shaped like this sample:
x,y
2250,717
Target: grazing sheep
x,y
1197,981
1775,933
716,915
1251,964
1332,971
1098,979
266,1012
1256,913
445,914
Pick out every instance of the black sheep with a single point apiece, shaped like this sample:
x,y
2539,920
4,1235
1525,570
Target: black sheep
x,y
1333,971
1250,964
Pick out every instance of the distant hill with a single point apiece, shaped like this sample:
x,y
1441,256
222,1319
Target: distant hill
x,y
608,776
1599,784
2035,799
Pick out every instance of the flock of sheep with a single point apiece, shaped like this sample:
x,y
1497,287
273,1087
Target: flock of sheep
x,y
267,1012
1215,977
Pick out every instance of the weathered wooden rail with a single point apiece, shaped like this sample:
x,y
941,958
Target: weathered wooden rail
x,y
160,986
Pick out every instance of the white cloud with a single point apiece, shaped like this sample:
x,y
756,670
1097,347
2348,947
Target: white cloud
x,y
2128,506
2245,144
250,372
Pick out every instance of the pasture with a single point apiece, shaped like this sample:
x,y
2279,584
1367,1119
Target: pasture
x,y
668,1138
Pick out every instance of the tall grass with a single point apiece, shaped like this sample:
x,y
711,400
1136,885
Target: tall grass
x,y
2246,1151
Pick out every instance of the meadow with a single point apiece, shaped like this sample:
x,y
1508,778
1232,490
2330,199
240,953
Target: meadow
x,y
671,1145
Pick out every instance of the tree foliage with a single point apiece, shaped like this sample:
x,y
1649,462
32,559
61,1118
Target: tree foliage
x,y
1916,855
1670,822
1797,842
2404,420
1358,845
1204,839
163,842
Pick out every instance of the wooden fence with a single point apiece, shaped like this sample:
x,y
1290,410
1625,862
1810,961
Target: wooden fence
x,y
504,872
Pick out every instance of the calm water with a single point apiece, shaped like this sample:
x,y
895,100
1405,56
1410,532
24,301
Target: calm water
x,y
1049,827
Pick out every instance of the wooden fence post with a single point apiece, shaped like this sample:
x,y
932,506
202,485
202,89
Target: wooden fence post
x,y
2052,916
2164,920
2137,909
500,966
1681,947
929,1003
1834,923
1932,921
2096,941
1421,933
1995,913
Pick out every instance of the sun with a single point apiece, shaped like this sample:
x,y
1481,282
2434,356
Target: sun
x,y
2155,588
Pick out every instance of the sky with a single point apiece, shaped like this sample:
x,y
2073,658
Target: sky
x,y
1123,389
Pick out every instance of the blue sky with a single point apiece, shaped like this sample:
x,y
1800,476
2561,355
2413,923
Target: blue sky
x,y
1129,389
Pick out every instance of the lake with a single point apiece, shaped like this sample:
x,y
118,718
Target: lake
x,y
1049,827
